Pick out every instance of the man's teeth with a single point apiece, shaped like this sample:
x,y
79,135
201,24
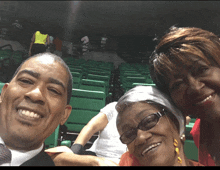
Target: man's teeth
x,y
207,98
150,147
28,113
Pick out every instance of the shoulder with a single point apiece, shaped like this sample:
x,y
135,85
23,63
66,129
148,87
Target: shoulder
x,y
194,163
110,106
41,159
128,159
109,109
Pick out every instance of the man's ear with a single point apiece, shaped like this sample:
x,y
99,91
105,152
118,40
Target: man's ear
x,y
66,114
3,91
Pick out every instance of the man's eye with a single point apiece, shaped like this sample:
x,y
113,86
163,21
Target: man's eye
x,y
54,91
26,81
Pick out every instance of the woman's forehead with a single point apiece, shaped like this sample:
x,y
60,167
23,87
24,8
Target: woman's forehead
x,y
138,110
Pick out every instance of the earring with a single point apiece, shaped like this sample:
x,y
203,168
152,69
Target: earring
x,y
183,137
175,143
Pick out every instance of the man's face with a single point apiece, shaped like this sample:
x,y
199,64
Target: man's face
x,y
34,103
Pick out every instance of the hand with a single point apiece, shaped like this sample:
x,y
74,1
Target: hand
x,y
57,150
188,119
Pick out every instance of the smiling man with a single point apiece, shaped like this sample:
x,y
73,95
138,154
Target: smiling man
x,y
32,105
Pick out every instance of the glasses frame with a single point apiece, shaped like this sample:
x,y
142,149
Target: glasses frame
x,y
139,126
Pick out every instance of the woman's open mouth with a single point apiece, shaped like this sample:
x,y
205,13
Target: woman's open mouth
x,y
206,100
150,148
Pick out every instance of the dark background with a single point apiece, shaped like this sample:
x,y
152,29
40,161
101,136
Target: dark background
x,y
134,24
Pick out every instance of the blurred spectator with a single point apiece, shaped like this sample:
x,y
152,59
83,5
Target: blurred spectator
x,y
38,42
85,43
103,41
58,46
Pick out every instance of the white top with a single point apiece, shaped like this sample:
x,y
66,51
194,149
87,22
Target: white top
x,y
85,39
19,157
108,144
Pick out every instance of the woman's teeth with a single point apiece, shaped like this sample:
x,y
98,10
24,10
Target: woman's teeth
x,y
150,147
203,101
28,113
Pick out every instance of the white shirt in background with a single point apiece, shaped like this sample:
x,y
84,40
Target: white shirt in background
x,y
108,144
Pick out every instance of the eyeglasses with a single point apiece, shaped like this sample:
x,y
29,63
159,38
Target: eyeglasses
x,y
146,124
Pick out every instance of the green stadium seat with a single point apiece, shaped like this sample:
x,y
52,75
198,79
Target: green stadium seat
x,y
190,150
142,84
127,83
17,57
1,86
66,143
100,78
85,105
52,140
76,69
77,77
94,85
188,129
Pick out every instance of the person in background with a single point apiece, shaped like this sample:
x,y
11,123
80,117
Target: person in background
x,y
107,144
85,43
152,128
38,42
186,65
103,41
58,46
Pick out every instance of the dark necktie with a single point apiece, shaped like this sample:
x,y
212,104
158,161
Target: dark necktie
x,y
5,154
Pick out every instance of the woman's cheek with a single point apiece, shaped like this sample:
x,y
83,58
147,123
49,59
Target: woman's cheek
x,y
131,147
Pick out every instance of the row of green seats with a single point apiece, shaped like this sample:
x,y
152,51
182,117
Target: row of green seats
x,y
52,140
134,73
1,86
7,54
90,89
72,62
85,105
92,82
88,75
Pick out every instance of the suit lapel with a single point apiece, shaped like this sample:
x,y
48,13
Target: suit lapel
x,y
41,159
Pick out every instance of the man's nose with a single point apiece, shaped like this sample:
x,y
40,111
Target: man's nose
x,y
142,137
36,95
194,85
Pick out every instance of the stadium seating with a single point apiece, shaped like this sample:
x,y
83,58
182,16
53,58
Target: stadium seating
x,y
77,77
134,74
52,140
190,150
94,85
91,84
85,105
1,85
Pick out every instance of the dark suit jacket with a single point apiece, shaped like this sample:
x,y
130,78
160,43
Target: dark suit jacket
x,y
41,159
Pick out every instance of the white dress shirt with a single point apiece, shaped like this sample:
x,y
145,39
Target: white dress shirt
x,y
19,157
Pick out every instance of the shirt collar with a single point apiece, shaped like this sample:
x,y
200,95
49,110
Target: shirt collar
x,y
19,157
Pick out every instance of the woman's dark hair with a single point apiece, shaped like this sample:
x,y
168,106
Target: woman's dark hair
x,y
174,49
